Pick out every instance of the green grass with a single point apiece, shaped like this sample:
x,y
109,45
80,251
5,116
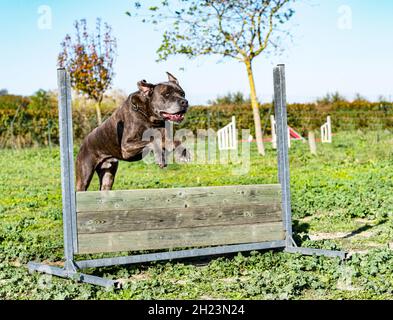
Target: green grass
x,y
344,195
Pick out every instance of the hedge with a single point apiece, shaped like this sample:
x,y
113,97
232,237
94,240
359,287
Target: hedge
x,y
23,126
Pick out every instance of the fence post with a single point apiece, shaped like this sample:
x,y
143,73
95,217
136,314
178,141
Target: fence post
x,y
49,134
274,135
289,138
234,133
67,168
329,127
282,148
326,131
208,136
311,142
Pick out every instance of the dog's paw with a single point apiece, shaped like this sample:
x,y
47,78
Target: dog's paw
x,y
162,165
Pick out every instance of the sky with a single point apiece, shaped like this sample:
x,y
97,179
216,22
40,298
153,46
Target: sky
x,y
337,45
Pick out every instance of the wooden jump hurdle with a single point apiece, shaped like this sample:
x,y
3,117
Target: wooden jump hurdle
x,y
217,220
172,218
227,136
326,131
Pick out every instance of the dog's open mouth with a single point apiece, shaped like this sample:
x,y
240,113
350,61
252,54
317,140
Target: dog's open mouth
x,y
175,117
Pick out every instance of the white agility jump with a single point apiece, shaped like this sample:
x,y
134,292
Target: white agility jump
x,y
292,134
326,131
227,136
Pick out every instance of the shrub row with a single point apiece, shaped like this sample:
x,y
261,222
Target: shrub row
x,y
302,117
22,125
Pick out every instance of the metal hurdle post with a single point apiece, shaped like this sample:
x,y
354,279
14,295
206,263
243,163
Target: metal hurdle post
x,y
283,167
68,193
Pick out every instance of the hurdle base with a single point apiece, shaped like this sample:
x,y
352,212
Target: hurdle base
x,y
77,276
73,266
291,247
317,252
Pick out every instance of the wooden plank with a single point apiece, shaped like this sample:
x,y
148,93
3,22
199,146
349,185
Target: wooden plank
x,y
179,238
175,198
167,218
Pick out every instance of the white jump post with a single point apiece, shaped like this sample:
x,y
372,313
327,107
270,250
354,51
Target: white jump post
x,y
289,137
274,133
326,131
227,136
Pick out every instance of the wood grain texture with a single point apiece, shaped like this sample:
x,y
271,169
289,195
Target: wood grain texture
x,y
175,198
179,237
111,221
152,219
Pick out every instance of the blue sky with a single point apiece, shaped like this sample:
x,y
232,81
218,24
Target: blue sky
x,y
323,57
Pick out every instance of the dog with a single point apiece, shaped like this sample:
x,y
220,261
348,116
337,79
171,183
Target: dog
x,y
120,137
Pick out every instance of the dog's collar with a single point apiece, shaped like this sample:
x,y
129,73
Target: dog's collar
x,y
137,109
156,123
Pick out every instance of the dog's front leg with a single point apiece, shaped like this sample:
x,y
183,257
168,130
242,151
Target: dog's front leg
x,y
133,149
158,147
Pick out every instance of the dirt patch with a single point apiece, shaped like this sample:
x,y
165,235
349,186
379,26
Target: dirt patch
x,y
365,221
133,278
15,263
139,277
60,264
339,235
328,236
209,298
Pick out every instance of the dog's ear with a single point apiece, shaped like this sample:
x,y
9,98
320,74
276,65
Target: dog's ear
x,y
171,78
145,88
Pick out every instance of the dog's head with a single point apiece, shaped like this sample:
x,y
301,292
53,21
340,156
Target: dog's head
x,y
167,99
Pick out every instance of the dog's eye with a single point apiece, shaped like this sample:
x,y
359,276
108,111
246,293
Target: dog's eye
x,y
183,94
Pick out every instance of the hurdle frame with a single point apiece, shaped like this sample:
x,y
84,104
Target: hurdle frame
x,y
227,136
72,267
326,131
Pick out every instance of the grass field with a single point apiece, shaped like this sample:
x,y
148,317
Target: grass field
x,y
342,198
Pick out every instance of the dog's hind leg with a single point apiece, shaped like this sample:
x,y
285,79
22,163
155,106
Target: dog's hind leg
x,y
106,173
84,174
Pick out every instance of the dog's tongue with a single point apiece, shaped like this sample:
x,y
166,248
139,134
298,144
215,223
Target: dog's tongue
x,y
177,117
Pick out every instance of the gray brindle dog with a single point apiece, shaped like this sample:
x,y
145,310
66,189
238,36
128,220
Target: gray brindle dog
x,y
120,137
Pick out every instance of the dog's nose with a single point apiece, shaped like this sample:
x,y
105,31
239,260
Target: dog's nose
x,y
184,103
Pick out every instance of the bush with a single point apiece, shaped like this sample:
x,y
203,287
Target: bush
x,y
236,98
302,117
32,121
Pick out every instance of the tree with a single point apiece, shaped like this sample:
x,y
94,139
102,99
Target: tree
x,y
237,29
89,59
42,100
236,98
3,92
330,98
360,98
